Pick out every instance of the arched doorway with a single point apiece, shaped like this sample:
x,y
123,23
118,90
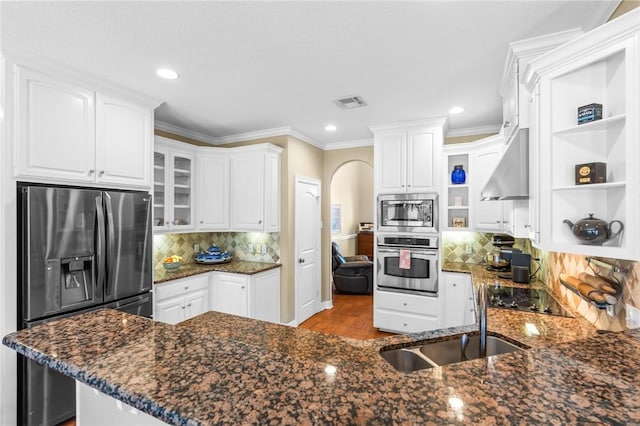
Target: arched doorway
x,y
352,203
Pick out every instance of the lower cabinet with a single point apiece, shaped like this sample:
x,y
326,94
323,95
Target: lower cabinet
x,y
406,313
255,296
459,302
181,299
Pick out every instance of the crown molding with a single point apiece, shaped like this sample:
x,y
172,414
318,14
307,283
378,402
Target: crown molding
x,y
471,131
348,144
304,138
425,122
181,131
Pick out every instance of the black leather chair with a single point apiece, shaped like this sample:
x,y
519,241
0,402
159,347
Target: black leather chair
x,y
351,274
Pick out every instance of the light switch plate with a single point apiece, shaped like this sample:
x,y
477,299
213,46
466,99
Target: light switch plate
x,y
263,249
250,248
633,316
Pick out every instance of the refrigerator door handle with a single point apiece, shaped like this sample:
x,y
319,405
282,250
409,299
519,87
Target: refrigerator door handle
x,y
100,252
110,242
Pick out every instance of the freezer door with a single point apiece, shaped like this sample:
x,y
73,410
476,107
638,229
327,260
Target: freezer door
x,y
138,305
128,244
59,262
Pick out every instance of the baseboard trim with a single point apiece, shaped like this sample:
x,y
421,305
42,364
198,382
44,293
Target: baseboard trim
x,y
293,323
327,305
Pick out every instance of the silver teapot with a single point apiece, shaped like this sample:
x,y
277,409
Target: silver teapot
x,y
593,231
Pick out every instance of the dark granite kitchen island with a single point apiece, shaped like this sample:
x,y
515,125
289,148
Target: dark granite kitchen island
x,y
223,369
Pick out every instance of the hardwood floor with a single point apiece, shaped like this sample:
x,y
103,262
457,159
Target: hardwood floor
x,y
351,316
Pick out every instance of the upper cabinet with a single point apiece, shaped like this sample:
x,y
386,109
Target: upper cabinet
x,y
173,186
515,96
255,189
216,189
71,134
407,156
600,67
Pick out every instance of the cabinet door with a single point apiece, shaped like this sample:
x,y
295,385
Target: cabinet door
x,y
123,142
230,294
264,296
247,192
161,180
533,224
213,192
196,303
170,310
420,161
459,307
391,157
182,178
55,136
488,215
510,104
272,193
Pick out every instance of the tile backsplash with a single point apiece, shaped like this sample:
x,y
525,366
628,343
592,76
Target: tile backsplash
x,y
236,243
552,265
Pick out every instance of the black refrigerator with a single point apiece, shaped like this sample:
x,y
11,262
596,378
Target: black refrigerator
x,y
80,249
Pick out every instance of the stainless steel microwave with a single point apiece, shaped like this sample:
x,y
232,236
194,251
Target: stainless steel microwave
x,y
408,212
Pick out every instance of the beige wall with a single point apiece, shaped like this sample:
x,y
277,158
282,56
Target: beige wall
x,y
332,162
624,7
352,189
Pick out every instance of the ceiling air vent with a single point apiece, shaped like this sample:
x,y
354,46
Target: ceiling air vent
x,y
350,102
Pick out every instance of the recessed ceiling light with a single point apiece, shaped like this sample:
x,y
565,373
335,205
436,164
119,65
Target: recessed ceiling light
x,y
456,110
330,128
167,73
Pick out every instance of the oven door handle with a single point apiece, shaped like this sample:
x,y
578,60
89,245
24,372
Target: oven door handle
x,y
429,253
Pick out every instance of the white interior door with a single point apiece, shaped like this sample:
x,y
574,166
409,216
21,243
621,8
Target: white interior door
x,y
307,252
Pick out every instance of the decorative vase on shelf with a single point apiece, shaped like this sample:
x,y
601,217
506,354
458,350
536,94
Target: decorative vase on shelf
x,y
458,176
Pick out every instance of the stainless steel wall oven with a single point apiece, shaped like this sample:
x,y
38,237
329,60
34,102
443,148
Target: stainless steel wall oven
x,y
408,263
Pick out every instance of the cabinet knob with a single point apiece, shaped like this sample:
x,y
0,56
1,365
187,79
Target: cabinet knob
x,y
201,221
189,305
527,226
497,221
259,222
454,284
405,324
101,172
242,287
183,307
91,171
408,186
166,223
401,186
506,124
186,287
301,260
404,304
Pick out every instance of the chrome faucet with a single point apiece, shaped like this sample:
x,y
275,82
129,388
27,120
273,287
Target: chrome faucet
x,y
483,302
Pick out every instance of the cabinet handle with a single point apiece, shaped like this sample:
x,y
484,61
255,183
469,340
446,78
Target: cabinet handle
x,y
91,171
101,172
497,221
242,287
166,223
527,226
189,305
506,124
186,287
301,260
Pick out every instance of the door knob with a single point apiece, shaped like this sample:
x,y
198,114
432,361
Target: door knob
x,y
301,260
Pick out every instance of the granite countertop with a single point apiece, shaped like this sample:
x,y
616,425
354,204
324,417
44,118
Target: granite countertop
x,y
217,368
235,266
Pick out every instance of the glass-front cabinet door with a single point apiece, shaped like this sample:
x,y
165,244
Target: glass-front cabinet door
x,y
173,184
182,191
160,219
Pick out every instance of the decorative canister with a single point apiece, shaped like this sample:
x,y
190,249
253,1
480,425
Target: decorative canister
x,y
458,176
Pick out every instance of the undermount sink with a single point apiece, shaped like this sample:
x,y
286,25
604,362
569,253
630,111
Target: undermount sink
x,y
444,352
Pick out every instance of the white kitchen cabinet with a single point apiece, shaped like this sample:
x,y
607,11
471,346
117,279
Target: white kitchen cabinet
x,y
213,199
181,299
407,157
123,142
599,67
230,294
406,313
459,302
255,296
255,188
487,215
173,186
71,134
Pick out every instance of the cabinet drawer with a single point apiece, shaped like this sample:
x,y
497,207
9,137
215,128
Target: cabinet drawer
x,y
405,323
424,305
181,286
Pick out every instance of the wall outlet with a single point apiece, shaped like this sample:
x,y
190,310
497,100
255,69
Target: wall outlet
x,y
263,249
250,248
196,248
469,249
633,316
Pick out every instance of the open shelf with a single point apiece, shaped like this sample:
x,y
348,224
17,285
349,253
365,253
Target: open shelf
x,y
593,126
590,187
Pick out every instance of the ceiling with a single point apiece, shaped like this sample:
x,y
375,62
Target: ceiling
x,y
254,66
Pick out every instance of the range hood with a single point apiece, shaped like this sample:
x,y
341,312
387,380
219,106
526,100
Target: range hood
x,y
510,179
